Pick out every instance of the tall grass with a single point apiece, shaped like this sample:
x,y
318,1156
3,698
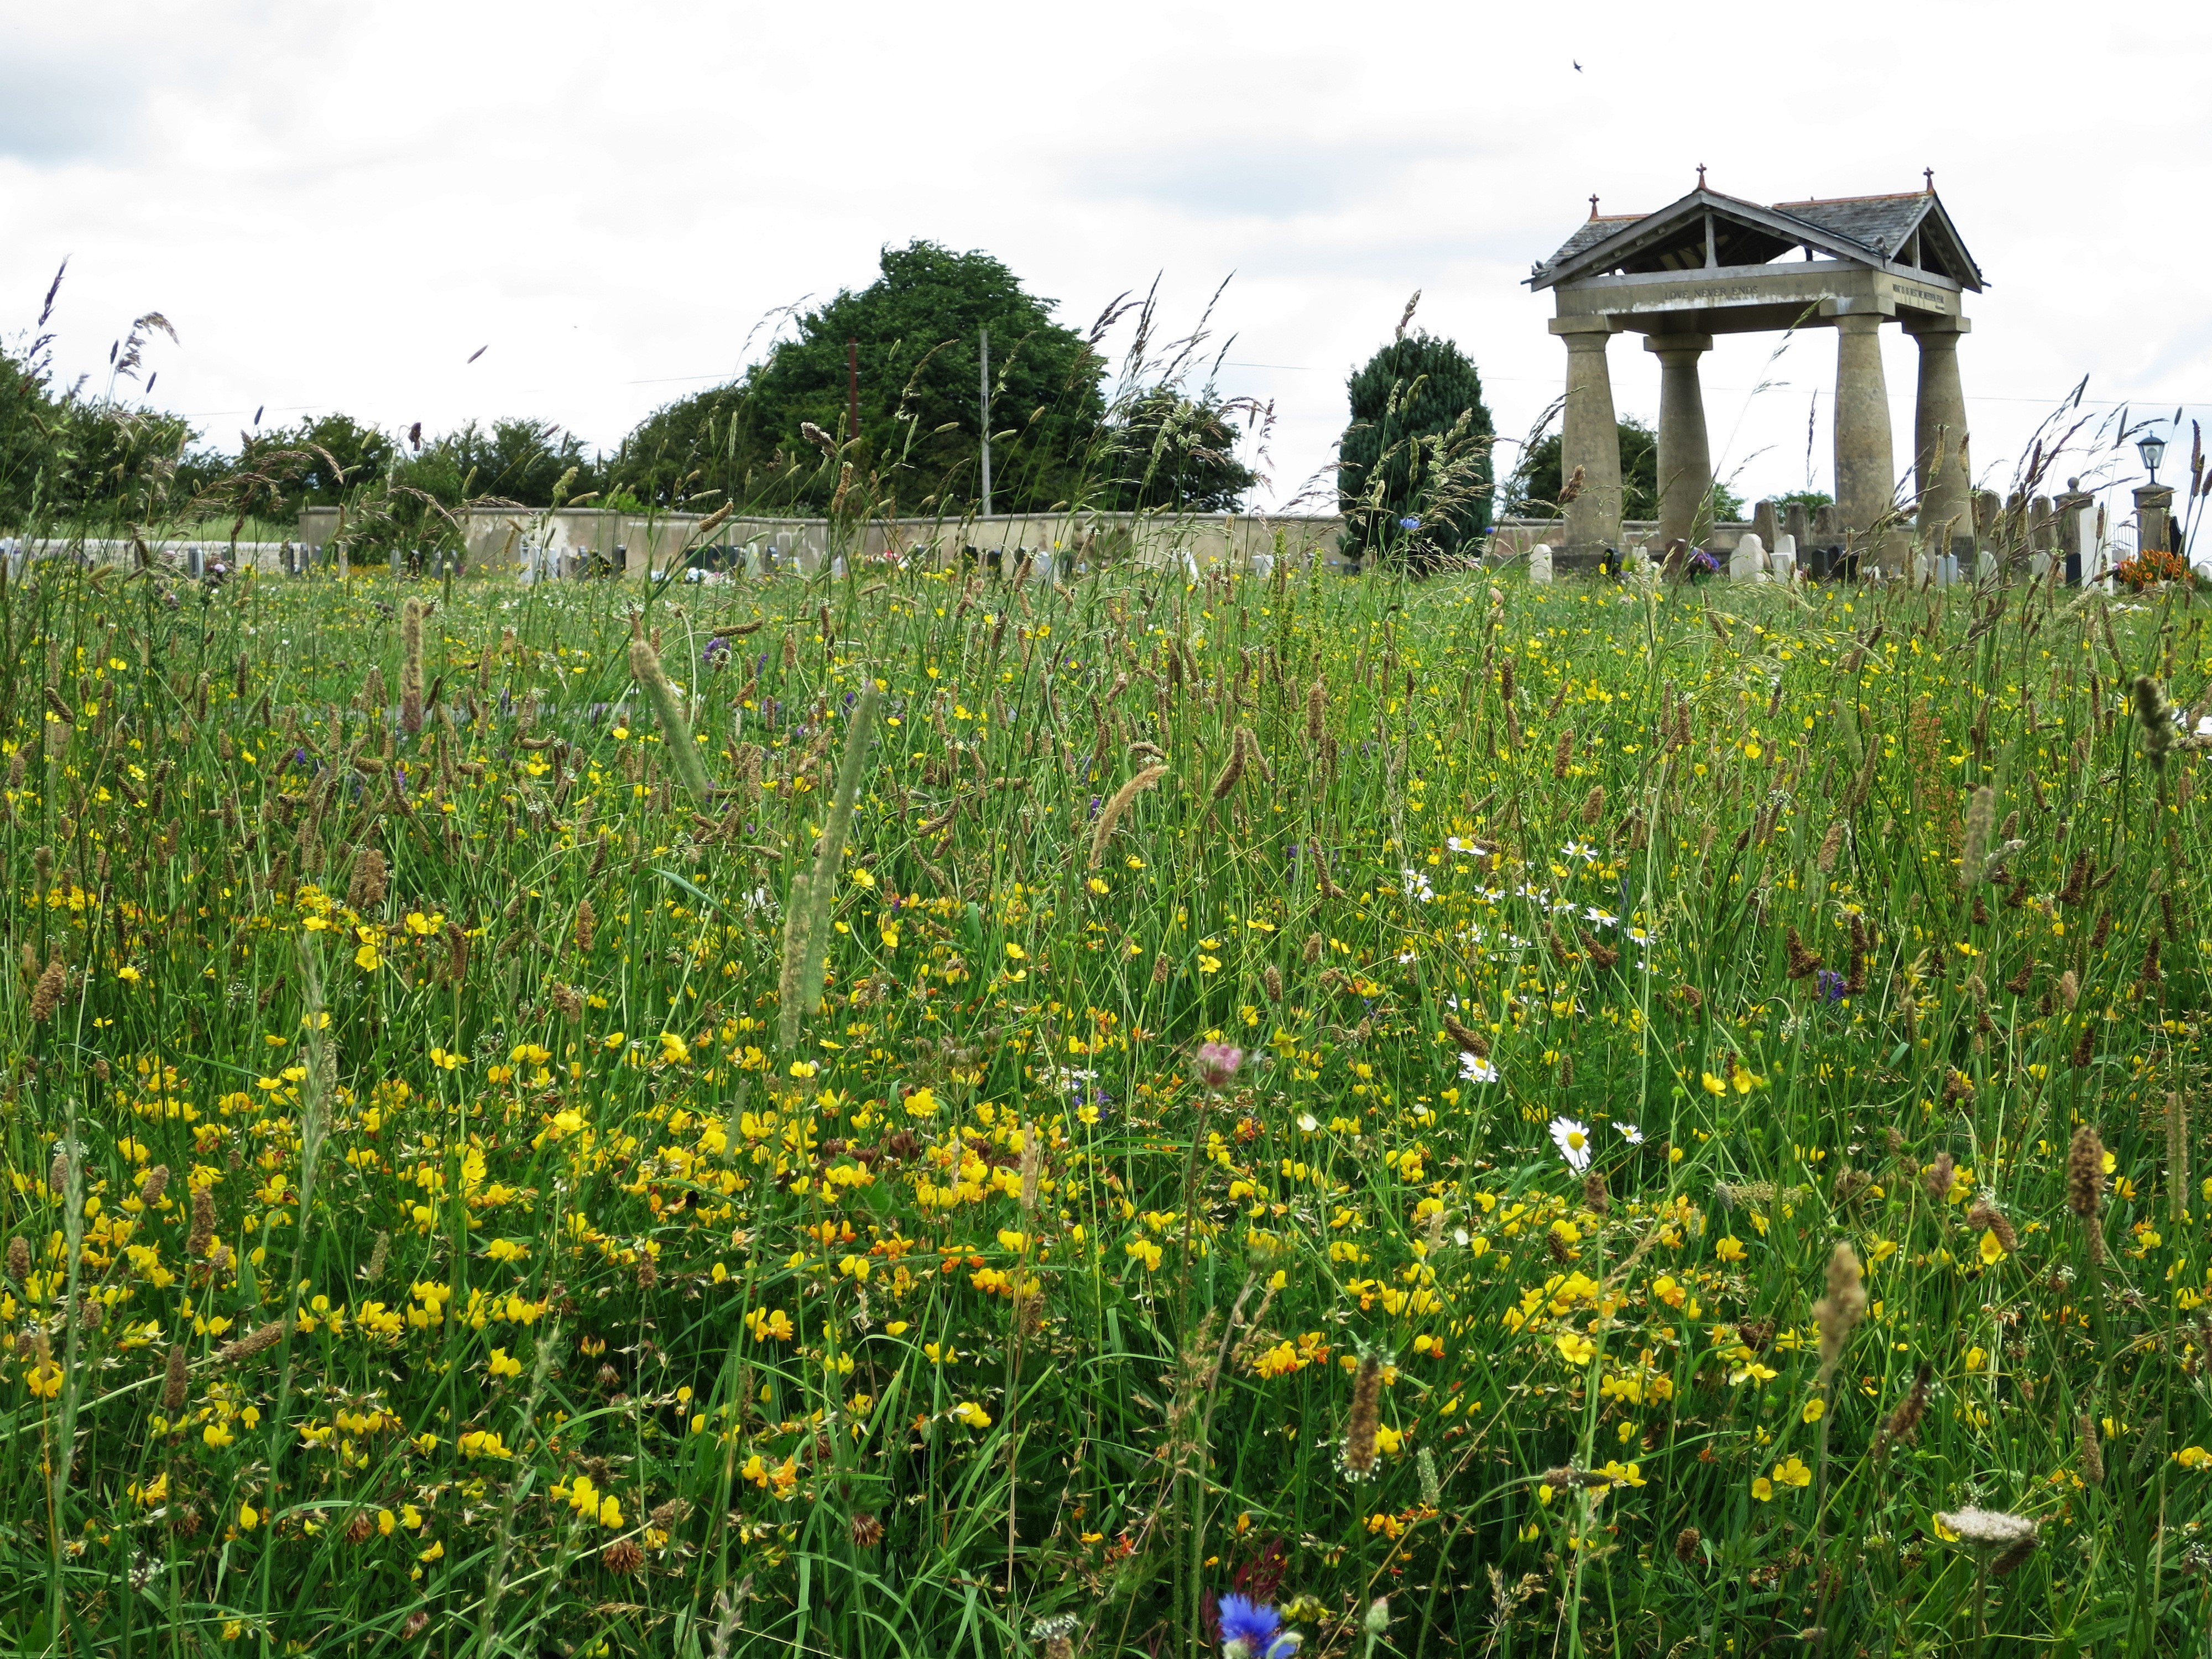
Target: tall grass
x,y
571,1301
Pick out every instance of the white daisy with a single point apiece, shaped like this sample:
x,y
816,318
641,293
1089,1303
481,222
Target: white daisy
x,y
1573,1140
1473,1068
1631,1134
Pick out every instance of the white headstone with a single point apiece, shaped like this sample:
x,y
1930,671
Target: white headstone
x,y
1784,557
1540,565
1748,562
1263,565
1985,566
2038,565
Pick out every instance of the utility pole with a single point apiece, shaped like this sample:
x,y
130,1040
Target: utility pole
x,y
987,423
853,392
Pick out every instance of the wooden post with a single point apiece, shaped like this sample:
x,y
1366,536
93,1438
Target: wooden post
x,y
853,392
986,348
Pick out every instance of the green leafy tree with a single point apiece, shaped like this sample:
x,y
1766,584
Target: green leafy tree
x,y
778,438
316,462
1811,499
1417,449
1535,486
29,425
528,463
1168,450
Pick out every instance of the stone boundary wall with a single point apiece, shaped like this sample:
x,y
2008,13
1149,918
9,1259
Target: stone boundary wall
x,y
656,541
195,558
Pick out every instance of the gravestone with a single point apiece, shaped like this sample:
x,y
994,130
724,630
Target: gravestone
x,y
1785,558
1798,524
1748,562
1763,524
1540,565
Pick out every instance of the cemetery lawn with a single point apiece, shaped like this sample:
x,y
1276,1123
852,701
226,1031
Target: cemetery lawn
x,y
1567,1109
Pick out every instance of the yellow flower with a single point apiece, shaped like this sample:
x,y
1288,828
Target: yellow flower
x,y
1791,1472
674,1049
1762,1489
972,1414
1715,1085
2192,1457
445,1058
505,1364
1575,1349
248,1517
611,1513
804,1068
1729,1249
367,958
1815,1408
765,1325
1992,1251
1015,953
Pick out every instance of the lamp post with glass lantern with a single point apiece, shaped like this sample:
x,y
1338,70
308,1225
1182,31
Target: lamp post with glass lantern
x,y
2153,501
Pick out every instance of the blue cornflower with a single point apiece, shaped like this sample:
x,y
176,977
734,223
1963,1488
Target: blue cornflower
x,y
1253,1630
1830,985
1409,524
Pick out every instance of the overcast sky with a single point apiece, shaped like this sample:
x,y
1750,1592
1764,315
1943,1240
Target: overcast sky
x,y
336,204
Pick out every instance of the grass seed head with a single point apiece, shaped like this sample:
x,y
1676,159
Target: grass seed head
x,y
202,1232
2093,1451
18,1259
2085,1172
1357,1456
176,1382
1985,1217
1838,1313
365,890
1940,1176
1981,815
1905,1422
46,995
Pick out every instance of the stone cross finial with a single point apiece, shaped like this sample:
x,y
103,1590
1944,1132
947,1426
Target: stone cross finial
x,y
1701,175
1929,173
1593,207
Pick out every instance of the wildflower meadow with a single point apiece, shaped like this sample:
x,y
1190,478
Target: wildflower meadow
x,y
909,1115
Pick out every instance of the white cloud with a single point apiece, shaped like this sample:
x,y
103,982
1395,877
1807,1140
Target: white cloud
x,y
337,204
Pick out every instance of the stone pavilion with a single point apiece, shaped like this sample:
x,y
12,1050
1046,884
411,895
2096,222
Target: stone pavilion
x,y
1712,263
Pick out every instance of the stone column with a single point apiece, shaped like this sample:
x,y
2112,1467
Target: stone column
x,y
2073,510
1685,462
1589,439
1866,475
1942,474
2153,514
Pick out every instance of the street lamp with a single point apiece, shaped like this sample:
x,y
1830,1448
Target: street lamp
x,y
2152,448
